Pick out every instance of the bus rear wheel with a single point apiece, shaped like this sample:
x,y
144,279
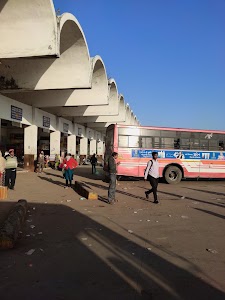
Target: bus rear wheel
x,y
173,175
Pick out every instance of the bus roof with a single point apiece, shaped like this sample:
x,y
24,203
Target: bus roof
x,y
170,128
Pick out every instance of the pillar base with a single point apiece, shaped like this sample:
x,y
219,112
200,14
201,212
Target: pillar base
x,y
29,162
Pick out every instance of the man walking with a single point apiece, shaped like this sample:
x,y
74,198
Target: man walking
x,y
93,161
152,174
10,169
112,168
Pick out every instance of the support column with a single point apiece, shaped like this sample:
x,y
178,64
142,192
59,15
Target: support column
x,y
83,148
71,145
55,138
30,147
100,148
93,145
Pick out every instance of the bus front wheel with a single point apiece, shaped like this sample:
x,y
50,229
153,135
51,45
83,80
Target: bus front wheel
x,y
173,175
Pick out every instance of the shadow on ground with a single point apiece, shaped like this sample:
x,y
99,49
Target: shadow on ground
x,y
79,258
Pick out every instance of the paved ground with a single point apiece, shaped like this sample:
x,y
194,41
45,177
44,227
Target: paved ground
x,y
83,249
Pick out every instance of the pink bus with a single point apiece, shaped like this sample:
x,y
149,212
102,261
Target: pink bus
x,y
183,153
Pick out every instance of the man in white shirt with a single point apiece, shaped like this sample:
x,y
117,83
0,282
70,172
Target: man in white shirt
x,y
152,174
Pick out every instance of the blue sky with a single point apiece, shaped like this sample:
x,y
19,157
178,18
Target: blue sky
x,y
167,56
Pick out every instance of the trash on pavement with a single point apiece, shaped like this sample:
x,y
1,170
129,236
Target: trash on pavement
x,y
82,198
40,233
84,239
130,231
212,251
184,217
183,197
30,252
149,249
68,200
34,208
135,212
27,235
148,220
32,226
169,216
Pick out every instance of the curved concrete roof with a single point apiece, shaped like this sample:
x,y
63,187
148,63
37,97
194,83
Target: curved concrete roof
x,y
121,117
111,109
97,95
28,28
72,69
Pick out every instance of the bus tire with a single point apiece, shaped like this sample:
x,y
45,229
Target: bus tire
x,y
173,175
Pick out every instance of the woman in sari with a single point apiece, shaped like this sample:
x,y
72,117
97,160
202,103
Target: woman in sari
x,y
69,164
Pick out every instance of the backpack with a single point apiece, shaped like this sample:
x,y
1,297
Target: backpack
x,y
147,166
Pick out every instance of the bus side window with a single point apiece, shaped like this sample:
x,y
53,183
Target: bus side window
x,y
156,142
221,145
204,144
185,144
167,143
176,143
213,145
146,142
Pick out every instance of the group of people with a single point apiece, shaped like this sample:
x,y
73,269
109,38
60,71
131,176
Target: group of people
x,y
8,166
151,174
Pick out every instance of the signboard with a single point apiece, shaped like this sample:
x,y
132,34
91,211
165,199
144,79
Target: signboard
x,y
65,127
16,113
46,122
176,154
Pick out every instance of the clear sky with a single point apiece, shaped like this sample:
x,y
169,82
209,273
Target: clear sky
x,y
167,56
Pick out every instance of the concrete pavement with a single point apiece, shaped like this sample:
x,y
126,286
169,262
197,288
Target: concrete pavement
x,y
132,250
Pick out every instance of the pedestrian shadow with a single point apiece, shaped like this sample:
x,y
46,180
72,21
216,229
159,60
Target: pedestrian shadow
x,y
102,187
186,197
53,174
103,199
56,182
208,192
210,213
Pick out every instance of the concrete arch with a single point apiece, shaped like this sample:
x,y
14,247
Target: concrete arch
x,y
121,117
20,20
111,109
97,95
72,68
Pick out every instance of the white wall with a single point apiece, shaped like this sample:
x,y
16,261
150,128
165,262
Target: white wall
x,y
5,110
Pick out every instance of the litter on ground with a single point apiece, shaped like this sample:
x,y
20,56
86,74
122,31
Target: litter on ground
x,y
30,252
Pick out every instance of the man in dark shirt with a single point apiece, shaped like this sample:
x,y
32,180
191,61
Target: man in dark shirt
x,y
93,161
112,168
